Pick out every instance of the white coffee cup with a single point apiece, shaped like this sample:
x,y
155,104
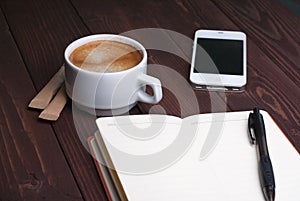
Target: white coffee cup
x,y
109,93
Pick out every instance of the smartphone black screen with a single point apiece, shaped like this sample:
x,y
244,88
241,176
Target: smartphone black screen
x,y
219,56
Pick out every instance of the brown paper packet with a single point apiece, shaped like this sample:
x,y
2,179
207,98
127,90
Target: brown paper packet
x,y
43,98
53,110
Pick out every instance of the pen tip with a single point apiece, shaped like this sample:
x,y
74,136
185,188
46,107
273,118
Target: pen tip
x,y
270,194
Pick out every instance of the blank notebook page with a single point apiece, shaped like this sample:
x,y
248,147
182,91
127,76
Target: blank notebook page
x,y
229,173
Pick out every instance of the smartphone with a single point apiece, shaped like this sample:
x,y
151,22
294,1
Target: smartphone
x,y
219,58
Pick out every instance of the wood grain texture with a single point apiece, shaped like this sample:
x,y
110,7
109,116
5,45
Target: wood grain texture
x,y
42,30
47,161
32,165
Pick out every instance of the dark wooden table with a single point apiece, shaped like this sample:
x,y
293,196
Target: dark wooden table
x,y
41,160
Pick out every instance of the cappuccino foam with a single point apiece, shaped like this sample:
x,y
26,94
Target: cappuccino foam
x,y
105,56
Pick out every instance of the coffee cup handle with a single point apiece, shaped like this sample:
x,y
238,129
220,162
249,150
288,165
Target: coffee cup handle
x,y
155,84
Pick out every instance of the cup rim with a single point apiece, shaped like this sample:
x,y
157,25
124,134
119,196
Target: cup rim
x,y
80,41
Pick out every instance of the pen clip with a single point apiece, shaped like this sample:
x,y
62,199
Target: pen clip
x,y
250,129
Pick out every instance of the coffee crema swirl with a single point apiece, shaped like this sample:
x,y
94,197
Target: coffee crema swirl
x,y
105,56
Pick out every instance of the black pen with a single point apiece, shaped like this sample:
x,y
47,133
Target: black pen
x,y
256,124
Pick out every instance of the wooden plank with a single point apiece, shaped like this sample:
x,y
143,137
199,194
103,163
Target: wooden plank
x,y
42,30
45,48
32,164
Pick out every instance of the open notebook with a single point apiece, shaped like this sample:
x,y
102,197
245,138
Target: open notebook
x,y
229,172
